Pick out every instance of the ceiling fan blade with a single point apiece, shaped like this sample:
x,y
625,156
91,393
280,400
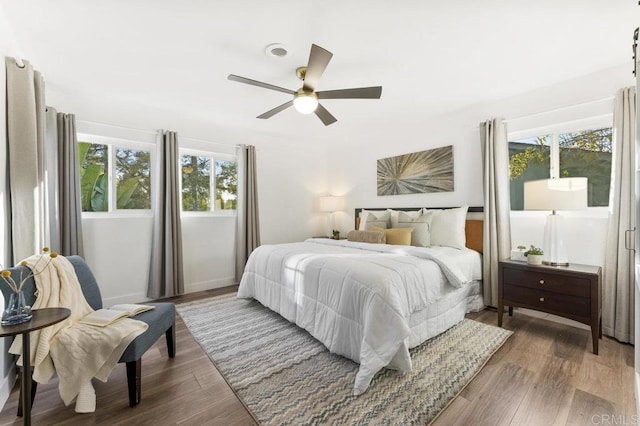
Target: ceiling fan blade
x,y
325,115
276,110
245,80
318,60
360,93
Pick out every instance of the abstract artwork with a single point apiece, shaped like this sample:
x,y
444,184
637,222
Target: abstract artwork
x,y
417,173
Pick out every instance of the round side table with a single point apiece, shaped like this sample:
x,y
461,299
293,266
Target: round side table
x,y
41,318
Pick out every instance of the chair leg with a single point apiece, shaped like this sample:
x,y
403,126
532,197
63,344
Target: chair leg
x,y
34,386
133,381
171,341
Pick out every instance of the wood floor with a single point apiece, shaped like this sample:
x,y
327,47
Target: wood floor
x,y
544,375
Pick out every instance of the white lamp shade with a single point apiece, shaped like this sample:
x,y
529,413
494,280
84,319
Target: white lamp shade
x,y
331,204
556,194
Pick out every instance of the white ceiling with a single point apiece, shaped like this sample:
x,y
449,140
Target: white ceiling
x,y
140,63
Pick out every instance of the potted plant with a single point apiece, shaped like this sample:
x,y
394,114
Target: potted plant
x,y
335,234
534,255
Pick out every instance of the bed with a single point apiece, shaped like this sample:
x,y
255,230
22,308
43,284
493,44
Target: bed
x,y
369,302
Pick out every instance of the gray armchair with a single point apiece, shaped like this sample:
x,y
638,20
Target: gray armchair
x,y
161,320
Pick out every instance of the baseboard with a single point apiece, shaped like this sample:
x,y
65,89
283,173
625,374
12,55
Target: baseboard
x,y
637,389
7,384
209,284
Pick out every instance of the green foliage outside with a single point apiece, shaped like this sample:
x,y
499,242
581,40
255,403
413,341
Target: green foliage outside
x,y
196,183
93,159
226,184
584,153
133,183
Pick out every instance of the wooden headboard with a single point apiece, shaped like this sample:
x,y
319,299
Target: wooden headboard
x,y
473,227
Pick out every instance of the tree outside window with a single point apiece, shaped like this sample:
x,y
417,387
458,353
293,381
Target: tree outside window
x,y
206,189
584,153
196,183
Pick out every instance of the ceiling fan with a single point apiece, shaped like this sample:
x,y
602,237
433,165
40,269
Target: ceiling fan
x,y
305,99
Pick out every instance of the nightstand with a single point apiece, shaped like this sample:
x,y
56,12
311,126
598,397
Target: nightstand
x,y
573,291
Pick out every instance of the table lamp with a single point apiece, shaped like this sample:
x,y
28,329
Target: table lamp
x,y
555,194
330,204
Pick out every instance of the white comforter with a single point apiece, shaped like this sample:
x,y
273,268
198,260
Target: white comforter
x,y
356,298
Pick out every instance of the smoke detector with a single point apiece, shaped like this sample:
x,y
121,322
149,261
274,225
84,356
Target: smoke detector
x,y
276,50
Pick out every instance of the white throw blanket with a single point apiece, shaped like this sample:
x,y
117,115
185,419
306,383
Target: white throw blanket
x,y
76,352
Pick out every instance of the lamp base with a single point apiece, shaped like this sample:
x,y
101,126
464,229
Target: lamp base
x,y
555,253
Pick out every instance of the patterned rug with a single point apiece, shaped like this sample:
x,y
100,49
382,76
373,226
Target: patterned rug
x,y
286,377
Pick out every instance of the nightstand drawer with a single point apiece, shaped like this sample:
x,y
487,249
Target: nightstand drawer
x,y
574,286
548,301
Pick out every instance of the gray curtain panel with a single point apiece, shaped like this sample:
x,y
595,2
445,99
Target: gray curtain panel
x,y
25,139
248,226
619,269
497,205
166,276
51,223
69,191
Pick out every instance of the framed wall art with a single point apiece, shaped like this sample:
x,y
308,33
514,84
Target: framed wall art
x,y
417,173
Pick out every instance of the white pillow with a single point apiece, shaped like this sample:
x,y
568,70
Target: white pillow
x,y
447,227
394,215
381,221
365,213
421,235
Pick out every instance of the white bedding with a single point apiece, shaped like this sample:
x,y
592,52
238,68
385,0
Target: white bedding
x,y
357,298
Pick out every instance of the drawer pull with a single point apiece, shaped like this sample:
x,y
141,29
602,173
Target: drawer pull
x,y
542,299
541,281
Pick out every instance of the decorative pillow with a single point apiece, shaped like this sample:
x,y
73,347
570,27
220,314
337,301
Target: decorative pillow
x,y
364,215
396,213
381,221
447,227
374,237
421,235
396,236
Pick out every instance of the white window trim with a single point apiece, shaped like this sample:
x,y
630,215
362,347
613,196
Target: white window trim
x,y
212,184
115,143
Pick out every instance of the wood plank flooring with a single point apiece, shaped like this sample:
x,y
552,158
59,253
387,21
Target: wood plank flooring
x,y
544,375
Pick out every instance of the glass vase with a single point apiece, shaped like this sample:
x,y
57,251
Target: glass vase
x,y
17,310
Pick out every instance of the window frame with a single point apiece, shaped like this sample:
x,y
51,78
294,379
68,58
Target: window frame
x,y
213,156
113,144
588,123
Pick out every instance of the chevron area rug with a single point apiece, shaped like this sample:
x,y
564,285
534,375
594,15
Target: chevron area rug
x,y
286,377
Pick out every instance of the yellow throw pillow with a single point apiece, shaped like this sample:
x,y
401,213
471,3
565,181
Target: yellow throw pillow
x,y
396,236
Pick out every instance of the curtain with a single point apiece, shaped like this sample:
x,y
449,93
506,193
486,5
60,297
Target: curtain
x,y
69,191
497,206
619,268
25,140
166,272
248,226
51,222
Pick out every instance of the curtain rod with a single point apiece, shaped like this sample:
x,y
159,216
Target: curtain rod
x,y
115,126
559,109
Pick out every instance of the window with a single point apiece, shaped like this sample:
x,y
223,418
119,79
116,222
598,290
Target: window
x,y
562,153
209,183
114,174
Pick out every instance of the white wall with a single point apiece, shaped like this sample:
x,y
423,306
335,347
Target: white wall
x,y
353,171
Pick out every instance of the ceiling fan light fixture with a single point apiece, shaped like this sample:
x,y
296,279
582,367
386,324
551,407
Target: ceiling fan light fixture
x,y
305,102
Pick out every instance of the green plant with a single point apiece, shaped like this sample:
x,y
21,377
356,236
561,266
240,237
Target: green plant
x,y
521,248
336,234
534,250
